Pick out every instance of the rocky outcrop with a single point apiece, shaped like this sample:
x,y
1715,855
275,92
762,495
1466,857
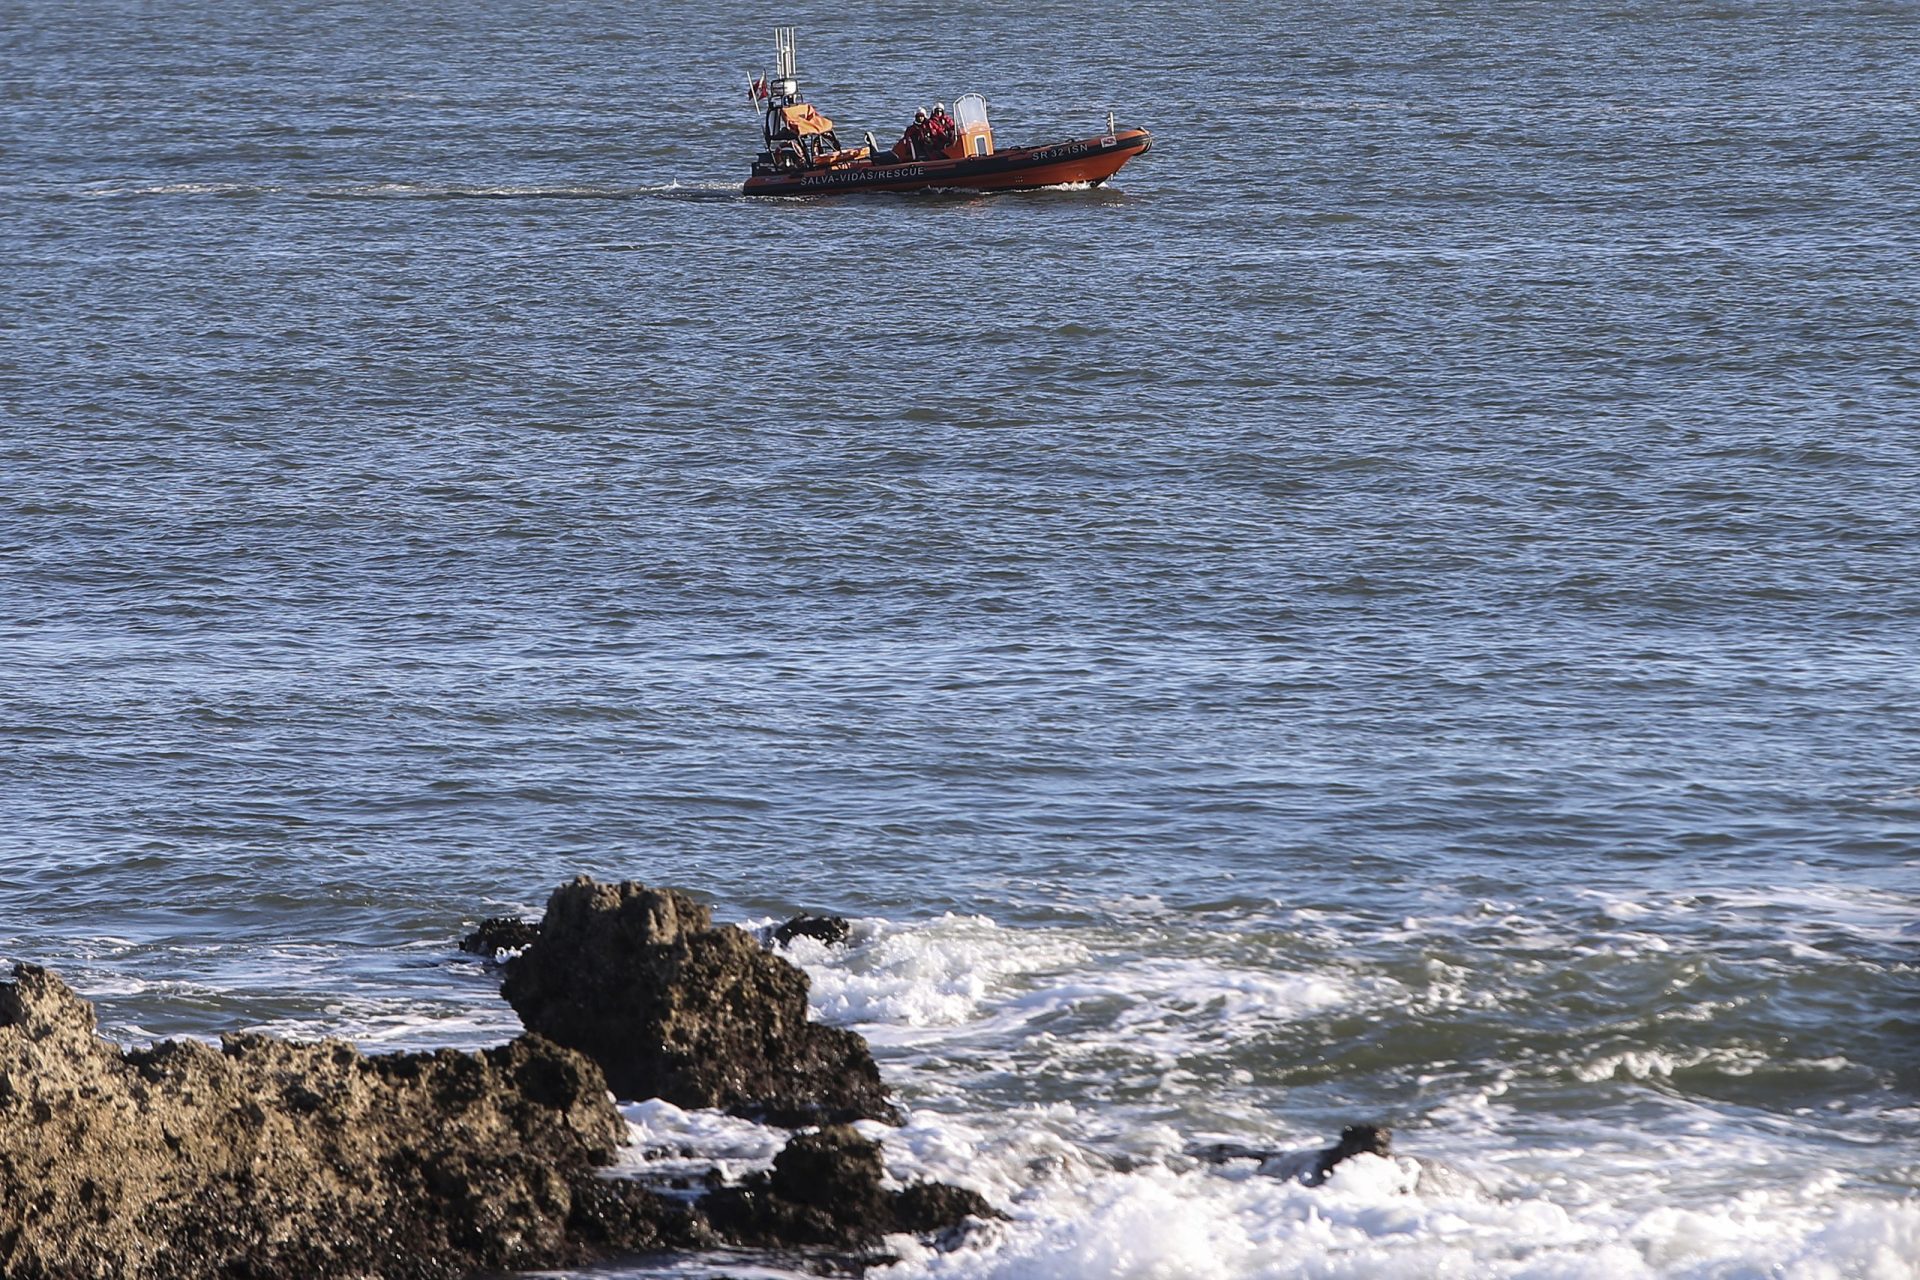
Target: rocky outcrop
x,y
266,1159
672,1006
825,1190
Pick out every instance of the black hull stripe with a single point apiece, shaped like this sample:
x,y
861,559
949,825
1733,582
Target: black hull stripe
x,y
943,173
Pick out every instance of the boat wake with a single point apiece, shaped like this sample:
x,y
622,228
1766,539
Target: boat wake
x,y
404,191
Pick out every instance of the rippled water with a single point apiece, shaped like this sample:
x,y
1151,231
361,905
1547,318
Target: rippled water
x,y
1404,606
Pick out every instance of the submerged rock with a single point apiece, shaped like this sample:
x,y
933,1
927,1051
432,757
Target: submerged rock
x,y
672,1006
501,933
825,1190
266,1159
832,930
1310,1168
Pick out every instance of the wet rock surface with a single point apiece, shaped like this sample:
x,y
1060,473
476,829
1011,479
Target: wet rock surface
x,y
267,1159
1312,1167
501,933
825,1189
832,930
672,1006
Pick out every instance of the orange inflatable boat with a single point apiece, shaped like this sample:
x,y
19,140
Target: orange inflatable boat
x,y
804,155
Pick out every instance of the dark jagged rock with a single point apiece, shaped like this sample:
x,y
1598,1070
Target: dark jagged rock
x,y
612,1216
266,1159
673,1007
832,930
825,1190
501,933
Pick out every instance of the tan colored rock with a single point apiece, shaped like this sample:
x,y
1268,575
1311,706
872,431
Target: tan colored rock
x,y
268,1159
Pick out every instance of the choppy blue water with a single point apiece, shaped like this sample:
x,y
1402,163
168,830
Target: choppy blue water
x,y
1404,606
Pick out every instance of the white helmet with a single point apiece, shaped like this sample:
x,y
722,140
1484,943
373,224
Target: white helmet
x,y
919,113
940,106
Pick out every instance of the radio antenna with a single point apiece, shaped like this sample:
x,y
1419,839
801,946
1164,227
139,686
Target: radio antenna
x,y
783,44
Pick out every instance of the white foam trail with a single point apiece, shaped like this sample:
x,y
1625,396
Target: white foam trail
x,y
180,189
403,190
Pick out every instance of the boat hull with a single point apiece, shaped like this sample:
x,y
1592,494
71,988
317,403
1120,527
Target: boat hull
x,y
1089,160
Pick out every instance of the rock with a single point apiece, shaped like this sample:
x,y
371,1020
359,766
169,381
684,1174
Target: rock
x,y
832,930
500,933
671,1006
613,1216
825,1190
1308,1167
1313,1167
1361,1140
266,1159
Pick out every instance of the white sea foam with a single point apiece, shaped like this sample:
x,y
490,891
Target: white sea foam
x,y
384,1024
1648,1064
664,1140
938,974
965,975
1624,909
1074,1214
1071,1217
1103,1190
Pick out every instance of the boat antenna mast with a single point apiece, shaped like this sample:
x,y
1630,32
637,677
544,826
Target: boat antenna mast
x,y
783,86
780,88
785,61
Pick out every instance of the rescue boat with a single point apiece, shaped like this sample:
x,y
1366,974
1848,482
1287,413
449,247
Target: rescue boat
x,y
804,156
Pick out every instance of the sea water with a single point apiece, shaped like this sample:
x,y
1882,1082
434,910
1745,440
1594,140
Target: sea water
x,y
1401,608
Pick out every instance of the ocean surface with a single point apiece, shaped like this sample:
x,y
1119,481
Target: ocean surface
x,y
1403,607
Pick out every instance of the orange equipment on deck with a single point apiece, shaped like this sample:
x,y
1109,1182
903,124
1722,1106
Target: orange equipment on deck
x,y
804,120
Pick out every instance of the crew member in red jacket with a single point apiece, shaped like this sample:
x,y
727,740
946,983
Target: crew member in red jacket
x,y
941,128
917,142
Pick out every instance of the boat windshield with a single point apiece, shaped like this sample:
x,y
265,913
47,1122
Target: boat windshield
x,y
970,112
